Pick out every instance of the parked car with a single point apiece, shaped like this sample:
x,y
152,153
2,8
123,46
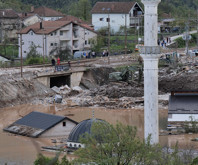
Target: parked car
x,y
81,54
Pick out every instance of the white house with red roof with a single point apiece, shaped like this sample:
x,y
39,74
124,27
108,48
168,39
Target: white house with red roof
x,y
117,14
47,14
49,36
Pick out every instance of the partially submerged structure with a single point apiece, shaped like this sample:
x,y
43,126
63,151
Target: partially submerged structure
x,y
37,124
183,107
73,141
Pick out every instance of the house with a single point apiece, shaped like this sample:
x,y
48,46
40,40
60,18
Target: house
x,y
116,14
183,106
46,13
38,124
51,36
28,19
165,24
9,24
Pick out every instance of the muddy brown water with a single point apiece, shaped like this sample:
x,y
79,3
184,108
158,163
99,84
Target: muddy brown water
x,y
19,150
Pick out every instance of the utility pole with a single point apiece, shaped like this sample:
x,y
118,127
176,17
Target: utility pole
x,y
43,50
125,30
187,37
21,55
108,20
197,27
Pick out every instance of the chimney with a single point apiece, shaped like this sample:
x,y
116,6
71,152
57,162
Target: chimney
x,y
32,9
41,25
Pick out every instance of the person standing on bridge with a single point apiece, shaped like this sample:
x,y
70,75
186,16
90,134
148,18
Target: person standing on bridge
x,y
58,61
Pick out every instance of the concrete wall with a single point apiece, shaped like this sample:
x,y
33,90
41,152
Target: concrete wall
x,y
44,80
75,79
59,129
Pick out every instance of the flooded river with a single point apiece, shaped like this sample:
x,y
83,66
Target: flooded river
x,y
19,150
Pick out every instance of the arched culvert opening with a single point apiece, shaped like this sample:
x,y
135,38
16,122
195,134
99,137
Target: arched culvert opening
x,y
59,81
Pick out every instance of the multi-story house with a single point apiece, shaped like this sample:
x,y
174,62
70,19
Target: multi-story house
x,y
48,36
9,24
116,14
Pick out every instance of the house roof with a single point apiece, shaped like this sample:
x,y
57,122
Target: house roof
x,y
35,123
23,16
112,7
47,27
76,20
183,104
50,26
8,13
47,12
72,18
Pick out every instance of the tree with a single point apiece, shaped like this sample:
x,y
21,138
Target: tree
x,y
81,9
62,53
118,145
43,160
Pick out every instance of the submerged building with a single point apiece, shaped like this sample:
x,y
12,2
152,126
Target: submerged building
x,y
81,129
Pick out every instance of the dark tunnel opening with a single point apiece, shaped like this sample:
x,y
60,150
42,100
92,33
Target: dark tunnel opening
x,y
59,81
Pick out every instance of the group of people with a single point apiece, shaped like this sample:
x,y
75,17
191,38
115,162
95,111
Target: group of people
x,y
89,54
105,53
164,42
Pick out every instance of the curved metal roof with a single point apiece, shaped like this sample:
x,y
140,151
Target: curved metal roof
x,y
83,127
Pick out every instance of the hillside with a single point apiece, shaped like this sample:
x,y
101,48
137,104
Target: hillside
x,y
177,8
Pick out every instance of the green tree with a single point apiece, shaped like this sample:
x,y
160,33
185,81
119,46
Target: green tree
x,y
108,144
44,160
81,9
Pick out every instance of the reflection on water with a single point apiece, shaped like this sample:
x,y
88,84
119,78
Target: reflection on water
x,y
23,150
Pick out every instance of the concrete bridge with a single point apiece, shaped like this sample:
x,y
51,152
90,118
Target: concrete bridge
x,y
70,77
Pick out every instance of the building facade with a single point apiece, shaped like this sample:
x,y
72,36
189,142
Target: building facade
x,y
9,24
116,14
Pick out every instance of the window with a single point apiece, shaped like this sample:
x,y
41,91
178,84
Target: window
x,y
85,42
55,44
54,33
51,44
61,33
101,19
31,33
51,34
108,19
24,51
64,124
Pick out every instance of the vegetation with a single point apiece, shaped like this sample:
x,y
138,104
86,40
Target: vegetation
x,y
192,126
182,43
119,145
33,57
63,54
43,160
81,8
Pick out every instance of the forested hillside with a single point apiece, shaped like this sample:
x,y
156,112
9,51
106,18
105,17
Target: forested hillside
x,y
81,8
